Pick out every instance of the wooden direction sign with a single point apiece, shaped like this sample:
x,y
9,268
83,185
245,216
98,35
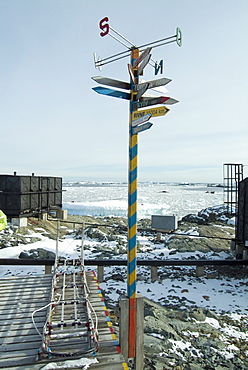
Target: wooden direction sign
x,y
140,120
130,70
154,112
154,83
142,90
168,100
150,101
143,64
142,56
111,92
141,128
111,82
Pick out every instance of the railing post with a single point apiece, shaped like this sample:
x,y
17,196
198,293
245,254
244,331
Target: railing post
x,y
48,269
154,273
100,273
199,271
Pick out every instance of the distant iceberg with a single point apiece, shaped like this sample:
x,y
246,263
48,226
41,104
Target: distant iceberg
x,y
113,208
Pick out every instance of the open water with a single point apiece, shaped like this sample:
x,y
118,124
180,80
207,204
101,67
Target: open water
x,y
110,199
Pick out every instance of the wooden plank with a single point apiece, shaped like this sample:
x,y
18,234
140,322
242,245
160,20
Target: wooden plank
x,y
20,330
20,314
21,360
23,307
10,347
18,335
28,288
19,295
21,339
18,353
26,297
26,280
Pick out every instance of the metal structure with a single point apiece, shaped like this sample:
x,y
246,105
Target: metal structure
x,y
140,57
232,175
71,327
242,219
20,195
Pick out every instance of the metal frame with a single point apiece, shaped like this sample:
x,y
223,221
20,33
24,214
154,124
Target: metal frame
x,y
232,175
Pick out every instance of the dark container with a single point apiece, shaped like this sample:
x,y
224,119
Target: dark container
x,y
13,183
242,221
20,195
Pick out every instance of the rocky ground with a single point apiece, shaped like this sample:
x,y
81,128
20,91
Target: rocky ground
x,y
179,334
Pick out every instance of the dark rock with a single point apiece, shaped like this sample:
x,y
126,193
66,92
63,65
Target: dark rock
x,y
195,219
117,277
38,253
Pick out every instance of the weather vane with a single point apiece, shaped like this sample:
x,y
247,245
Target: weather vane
x,y
105,27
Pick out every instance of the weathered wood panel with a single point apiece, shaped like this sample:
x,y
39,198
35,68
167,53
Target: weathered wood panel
x,y
19,297
20,342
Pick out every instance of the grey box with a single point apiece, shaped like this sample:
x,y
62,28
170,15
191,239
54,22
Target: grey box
x,y
164,223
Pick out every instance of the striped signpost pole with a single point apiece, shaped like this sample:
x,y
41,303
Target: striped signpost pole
x,y
132,214
137,123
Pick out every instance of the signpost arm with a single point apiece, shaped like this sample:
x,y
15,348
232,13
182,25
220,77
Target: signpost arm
x,y
132,217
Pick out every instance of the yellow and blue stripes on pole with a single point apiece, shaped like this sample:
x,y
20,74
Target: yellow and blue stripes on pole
x,y
132,221
132,193
132,216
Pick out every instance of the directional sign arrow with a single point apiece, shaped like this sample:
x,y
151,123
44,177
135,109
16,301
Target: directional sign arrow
x,y
142,90
143,64
141,128
142,56
140,120
111,82
150,101
111,92
130,70
154,112
168,100
153,84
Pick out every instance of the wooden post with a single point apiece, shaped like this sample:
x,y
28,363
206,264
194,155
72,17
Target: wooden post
x,y
159,236
154,273
199,271
139,358
48,269
124,320
100,273
123,334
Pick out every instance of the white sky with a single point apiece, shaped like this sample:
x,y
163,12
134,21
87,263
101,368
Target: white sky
x,y
53,123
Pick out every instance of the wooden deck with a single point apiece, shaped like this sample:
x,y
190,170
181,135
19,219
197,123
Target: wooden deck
x,y
20,342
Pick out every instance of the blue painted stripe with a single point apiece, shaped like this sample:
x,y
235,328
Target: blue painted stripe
x,y
133,175
134,151
131,289
132,242
132,198
132,220
132,265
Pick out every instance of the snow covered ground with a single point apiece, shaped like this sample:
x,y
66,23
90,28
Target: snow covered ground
x,y
220,336
178,285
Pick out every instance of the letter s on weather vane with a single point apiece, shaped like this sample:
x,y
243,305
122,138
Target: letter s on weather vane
x,y
104,26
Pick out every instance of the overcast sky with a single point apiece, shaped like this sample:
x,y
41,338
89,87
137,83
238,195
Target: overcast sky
x,y
53,123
